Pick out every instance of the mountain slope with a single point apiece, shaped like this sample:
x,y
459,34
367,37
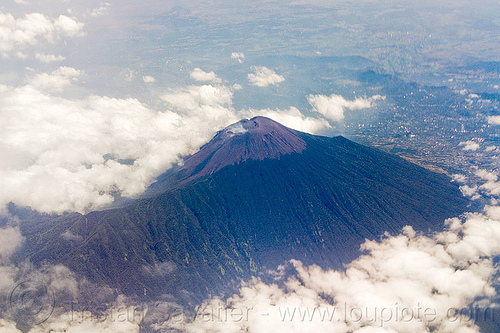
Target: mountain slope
x,y
257,195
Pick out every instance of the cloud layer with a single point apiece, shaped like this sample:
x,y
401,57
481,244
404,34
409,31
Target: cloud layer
x,y
71,155
405,283
59,154
50,298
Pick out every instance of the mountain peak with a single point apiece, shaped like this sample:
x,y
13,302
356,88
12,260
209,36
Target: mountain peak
x,y
258,138
259,124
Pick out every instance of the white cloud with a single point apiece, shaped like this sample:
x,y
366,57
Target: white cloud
x,y
493,212
459,178
470,145
492,185
20,33
148,79
57,81
21,55
488,186
406,283
48,58
194,97
292,118
56,147
58,154
48,297
24,31
199,75
469,191
68,26
69,236
161,269
238,56
102,10
486,175
87,322
10,240
128,74
8,327
494,120
333,107
263,77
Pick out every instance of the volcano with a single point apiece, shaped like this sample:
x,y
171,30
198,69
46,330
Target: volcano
x,y
255,139
255,196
